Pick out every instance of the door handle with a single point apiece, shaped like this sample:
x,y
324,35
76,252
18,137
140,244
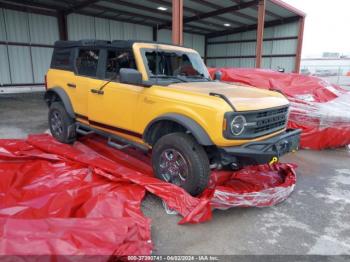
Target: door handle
x,y
97,91
71,85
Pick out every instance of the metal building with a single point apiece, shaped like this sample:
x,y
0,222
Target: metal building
x,y
232,33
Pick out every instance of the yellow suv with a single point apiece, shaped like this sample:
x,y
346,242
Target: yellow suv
x,y
160,97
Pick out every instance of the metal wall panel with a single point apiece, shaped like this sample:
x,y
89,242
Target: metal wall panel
x,y
198,43
266,62
25,65
20,64
188,40
234,49
288,63
285,47
88,27
277,47
164,36
41,58
129,31
43,29
194,41
247,62
102,29
290,29
116,30
143,32
80,27
2,25
4,67
248,49
233,62
17,26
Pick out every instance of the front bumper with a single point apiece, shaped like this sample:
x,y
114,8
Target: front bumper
x,y
265,151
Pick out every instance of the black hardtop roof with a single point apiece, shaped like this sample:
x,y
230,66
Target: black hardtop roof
x,y
103,43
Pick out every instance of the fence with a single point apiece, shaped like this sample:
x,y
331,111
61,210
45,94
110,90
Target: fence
x,y
335,74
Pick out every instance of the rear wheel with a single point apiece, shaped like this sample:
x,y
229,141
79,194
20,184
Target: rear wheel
x,y
62,126
177,158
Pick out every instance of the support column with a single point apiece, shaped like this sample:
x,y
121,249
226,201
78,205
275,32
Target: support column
x,y
260,33
155,33
177,22
300,44
205,49
62,25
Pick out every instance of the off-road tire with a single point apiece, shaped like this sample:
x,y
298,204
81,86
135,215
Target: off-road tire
x,y
194,155
68,134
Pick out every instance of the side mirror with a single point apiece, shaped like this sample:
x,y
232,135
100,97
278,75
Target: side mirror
x,y
217,75
130,76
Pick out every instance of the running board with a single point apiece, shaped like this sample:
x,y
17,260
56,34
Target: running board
x,y
116,145
85,130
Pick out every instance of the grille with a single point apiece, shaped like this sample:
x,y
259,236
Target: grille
x,y
271,120
260,122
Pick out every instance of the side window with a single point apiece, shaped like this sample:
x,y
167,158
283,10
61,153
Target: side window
x,y
117,59
87,62
61,59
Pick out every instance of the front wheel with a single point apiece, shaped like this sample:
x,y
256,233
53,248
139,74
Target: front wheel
x,y
177,158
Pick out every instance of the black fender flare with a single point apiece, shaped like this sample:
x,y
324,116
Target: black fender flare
x,y
59,91
196,130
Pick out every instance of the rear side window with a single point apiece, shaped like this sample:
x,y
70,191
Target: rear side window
x,y
61,58
87,61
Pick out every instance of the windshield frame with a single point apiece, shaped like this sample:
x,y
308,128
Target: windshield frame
x,y
172,79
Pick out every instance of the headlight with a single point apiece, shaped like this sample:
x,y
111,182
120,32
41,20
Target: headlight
x,y
238,124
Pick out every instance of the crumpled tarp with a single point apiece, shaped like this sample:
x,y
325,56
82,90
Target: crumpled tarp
x,y
319,108
85,199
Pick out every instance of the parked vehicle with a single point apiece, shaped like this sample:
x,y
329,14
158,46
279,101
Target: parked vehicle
x,y
160,97
325,73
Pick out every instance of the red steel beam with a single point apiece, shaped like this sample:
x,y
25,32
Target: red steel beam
x,y
260,33
300,44
177,22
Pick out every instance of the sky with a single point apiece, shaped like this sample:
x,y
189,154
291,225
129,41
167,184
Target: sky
x,y
327,26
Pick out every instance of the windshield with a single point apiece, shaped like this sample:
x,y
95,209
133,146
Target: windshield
x,y
183,66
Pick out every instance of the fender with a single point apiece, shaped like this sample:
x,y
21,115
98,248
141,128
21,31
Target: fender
x,y
59,91
196,130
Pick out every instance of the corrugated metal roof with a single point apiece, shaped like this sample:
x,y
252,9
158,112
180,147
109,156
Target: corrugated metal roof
x,y
146,12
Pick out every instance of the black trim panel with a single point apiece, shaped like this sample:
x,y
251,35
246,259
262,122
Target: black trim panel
x,y
109,127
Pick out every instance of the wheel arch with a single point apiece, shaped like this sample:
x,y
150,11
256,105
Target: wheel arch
x,y
187,123
52,94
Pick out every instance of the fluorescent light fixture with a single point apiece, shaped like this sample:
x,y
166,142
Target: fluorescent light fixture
x,y
162,8
227,24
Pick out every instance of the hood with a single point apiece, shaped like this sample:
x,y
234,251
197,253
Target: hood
x,y
244,98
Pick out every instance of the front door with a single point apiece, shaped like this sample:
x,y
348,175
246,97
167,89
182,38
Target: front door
x,y
111,104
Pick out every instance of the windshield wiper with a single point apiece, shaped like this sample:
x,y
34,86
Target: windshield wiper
x,y
169,77
199,76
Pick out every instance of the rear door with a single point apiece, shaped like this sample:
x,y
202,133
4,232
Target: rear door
x,y
86,65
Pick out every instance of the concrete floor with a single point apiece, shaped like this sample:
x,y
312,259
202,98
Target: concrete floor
x,y
314,220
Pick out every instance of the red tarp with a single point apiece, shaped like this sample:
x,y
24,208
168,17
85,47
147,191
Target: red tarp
x,y
319,108
85,199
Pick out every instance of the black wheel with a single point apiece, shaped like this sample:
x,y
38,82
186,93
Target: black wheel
x,y
177,158
62,126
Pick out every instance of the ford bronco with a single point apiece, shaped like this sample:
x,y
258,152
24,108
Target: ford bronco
x,y
160,97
